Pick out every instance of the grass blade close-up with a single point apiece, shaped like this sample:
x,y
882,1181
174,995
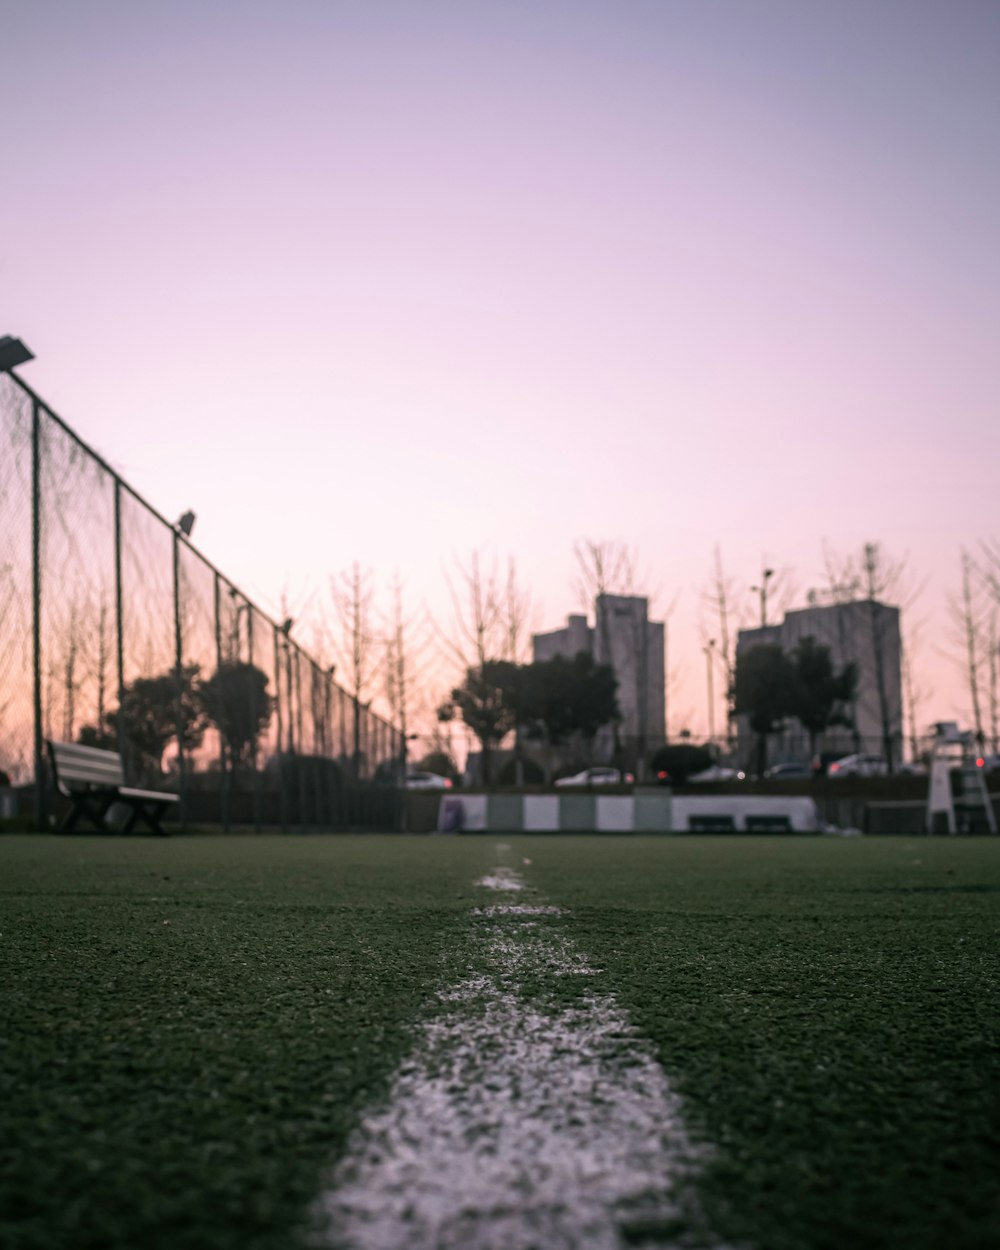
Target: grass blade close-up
x,y
199,1035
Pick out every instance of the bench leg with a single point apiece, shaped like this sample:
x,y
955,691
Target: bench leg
x,y
85,805
148,811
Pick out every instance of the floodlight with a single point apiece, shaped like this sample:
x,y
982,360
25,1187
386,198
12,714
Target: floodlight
x,y
186,523
13,353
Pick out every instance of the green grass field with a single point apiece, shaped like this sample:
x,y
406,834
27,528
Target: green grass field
x,y
190,1027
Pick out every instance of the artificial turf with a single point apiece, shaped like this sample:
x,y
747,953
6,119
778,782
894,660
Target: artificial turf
x,y
191,1027
828,1008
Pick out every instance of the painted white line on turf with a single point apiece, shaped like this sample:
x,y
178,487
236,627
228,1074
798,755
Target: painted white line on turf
x,y
519,1125
501,879
517,909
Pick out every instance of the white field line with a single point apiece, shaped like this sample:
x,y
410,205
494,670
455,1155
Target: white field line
x,y
501,879
517,1125
517,909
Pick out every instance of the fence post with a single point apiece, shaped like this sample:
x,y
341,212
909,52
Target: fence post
x,y
282,794
296,712
119,621
179,657
40,804
225,800
253,721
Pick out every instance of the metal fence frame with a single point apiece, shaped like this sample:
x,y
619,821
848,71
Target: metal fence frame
x,y
304,772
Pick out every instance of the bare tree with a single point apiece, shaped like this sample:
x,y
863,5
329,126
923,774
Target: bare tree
x,y
489,622
719,600
843,582
354,644
881,577
968,618
406,643
990,572
71,680
671,676
993,657
477,632
603,568
914,694
515,610
874,578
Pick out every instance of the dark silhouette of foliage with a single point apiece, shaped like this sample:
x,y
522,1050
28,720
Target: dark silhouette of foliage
x,y
680,761
556,698
764,689
822,697
149,713
236,700
439,762
486,701
102,736
568,696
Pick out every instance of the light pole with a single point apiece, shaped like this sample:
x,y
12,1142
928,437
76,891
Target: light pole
x,y
765,577
709,660
13,353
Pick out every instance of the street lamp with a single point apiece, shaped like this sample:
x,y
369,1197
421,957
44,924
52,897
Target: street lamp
x,y
13,353
765,577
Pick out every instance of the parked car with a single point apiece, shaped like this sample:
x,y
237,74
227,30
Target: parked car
x,y
788,772
820,763
427,781
717,772
595,777
858,766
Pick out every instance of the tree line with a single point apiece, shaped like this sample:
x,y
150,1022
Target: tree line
x,y
171,707
771,685
550,701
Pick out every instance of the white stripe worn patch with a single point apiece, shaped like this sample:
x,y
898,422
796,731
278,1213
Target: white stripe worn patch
x,y
517,1124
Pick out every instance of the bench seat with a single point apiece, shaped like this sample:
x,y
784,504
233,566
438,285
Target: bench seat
x,y
94,781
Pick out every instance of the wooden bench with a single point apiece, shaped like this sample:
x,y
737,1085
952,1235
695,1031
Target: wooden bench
x,y
94,780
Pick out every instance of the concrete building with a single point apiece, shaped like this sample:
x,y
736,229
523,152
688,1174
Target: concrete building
x,y
625,638
863,631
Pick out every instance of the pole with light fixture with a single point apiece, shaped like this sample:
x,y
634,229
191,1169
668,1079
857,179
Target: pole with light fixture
x,y
765,577
13,353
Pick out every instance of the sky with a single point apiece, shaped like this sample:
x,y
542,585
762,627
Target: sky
x,y
397,282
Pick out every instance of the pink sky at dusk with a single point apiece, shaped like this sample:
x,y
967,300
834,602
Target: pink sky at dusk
x,y
390,282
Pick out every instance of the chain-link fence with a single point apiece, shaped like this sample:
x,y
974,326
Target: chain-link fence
x,y
115,632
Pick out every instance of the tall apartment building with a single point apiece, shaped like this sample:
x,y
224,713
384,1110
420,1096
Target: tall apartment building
x,y
623,637
863,631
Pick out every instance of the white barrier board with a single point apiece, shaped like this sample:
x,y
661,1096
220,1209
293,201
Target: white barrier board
x,y
800,812
615,813
541,813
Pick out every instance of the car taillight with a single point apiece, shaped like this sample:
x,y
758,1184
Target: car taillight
x,y
834,768
662,775
447,783
980,763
